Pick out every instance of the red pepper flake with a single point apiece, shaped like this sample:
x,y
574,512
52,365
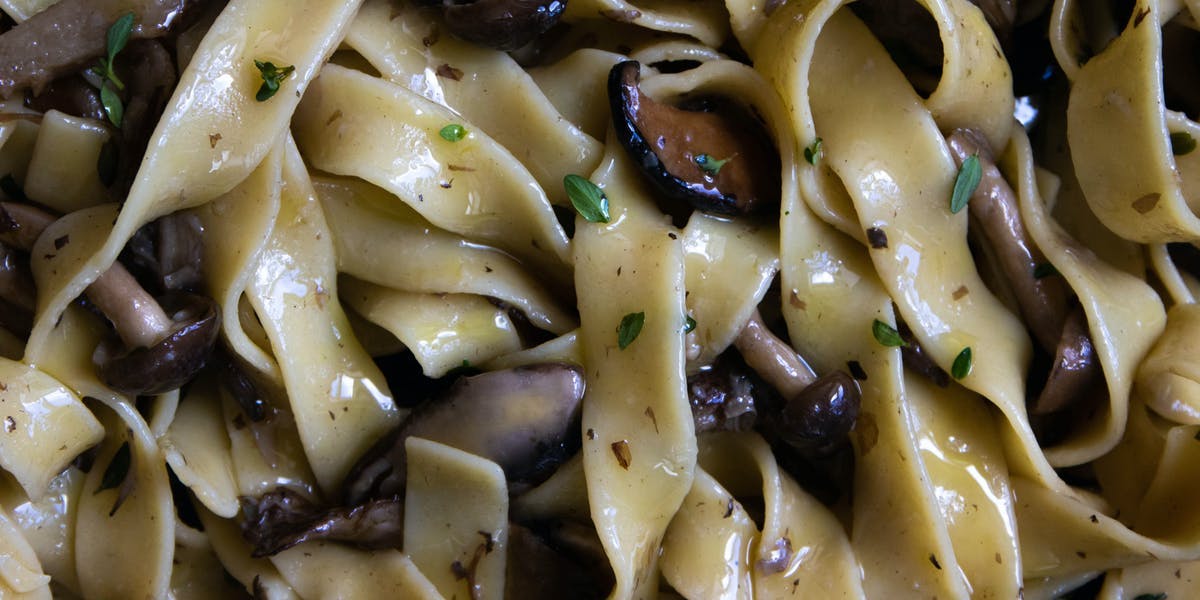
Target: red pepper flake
x,y
960,293
1146,203
449,72
621,451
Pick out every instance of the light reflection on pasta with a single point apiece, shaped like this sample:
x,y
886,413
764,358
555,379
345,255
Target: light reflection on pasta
x,y
800,298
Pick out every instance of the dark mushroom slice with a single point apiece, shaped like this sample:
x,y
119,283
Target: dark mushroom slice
x,y
17,292
538,569
242,388
817,412
914,356
72,95
1075,371
67,36
502,24
507,416
722,397
717,159
167,253
149,74
996,218
161,351
283,518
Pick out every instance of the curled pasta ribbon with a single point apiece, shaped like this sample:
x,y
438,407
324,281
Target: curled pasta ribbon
x,y
1117,102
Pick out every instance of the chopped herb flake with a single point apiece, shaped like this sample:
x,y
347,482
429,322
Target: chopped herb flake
x,y
886,334
964,185
118,469
689,324
587,198
813,152
1044,270
962,364
272,76
1182,143
453,132
710,165
630,327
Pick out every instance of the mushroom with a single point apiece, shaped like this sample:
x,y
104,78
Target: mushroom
x,y
167,253
502,24
996,218
63,38
716,159
1075,370
914,356
817,412
551,560
283,518
722,397
72,95
162,352
507,416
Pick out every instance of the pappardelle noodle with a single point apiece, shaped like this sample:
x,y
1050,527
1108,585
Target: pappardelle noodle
x,y
769,298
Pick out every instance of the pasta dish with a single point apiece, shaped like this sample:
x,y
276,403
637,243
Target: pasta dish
x,y
599,299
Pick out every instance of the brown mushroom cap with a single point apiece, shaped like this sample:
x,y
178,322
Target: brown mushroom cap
x,y
671,144
283,518
722,397
510,417
172,361
503,24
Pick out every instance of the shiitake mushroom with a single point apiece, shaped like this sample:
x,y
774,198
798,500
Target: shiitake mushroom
x,y
708,154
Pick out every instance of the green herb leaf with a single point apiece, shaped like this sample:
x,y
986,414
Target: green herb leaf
x,y
813,152
272,76
689,324
113,107
1182,143
964,185
118,469
587,198
118,36
886,334
453,132
1158,596
1044,270
630,327
708,164
962,364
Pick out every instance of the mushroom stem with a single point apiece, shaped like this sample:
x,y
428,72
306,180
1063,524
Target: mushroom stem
x,y
1075,371
772,359
137,317
996,217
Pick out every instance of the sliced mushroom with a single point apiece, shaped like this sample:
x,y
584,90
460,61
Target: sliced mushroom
x,y
242,388
502,24
161,351
507,416
149,73
817,412
722,397
914,356
283,518
996,217
167,253
717,159
556,560
69,34
1075,371
72,95
16,284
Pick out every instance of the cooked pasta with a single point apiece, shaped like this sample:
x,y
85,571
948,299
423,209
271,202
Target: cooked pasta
x,y
753,299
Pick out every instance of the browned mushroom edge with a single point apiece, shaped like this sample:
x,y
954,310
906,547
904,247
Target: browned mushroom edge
x,y
283,518
79,29
1075,370
722,397
916,358
502,24
718,160
512,417
161,351
17,299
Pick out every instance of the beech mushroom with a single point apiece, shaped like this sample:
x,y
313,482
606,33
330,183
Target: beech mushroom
x,y
508,416
1076,368
817,412
161,351
716,159
722,397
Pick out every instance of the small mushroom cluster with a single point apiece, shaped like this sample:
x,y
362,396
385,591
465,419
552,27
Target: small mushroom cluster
x,y
162,346
500,24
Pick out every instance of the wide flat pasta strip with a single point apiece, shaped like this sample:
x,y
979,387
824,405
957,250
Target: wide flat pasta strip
x,y
398,249
234,553
62,171
456,513
640,449
706,552
355,124
213,132
489,89
195,565
339,398
443,331
21,575
48,524
45,426
321,570
197,449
